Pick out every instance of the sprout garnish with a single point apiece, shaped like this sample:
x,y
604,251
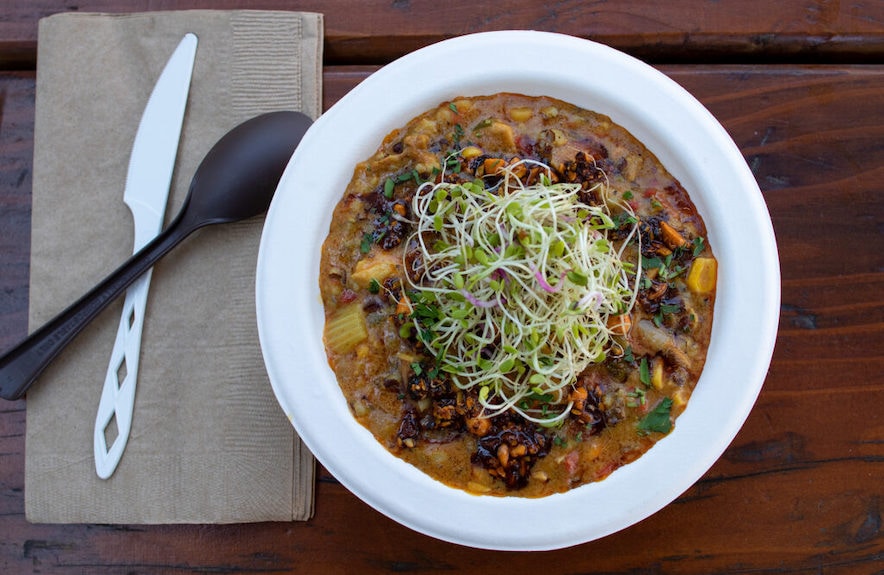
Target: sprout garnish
x,y
523,279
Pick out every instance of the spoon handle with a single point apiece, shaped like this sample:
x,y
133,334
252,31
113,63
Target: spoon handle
x,y
21,365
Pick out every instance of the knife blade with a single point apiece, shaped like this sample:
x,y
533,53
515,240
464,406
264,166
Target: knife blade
x,y
146,192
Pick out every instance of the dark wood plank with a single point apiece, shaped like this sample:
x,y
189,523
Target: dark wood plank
x,y
798,491
378,31
16,158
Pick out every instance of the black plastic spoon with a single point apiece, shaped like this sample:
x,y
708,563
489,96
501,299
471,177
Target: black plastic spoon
x,y
235,181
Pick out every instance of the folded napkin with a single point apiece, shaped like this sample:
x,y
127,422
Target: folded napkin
x,y
209,443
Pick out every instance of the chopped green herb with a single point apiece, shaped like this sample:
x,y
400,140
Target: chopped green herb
x,y
628,355
670,308
644,374
453,107
699,246
627,195
652,263
374,286
483,124
388,188
657,420
637,397
458,134
365,244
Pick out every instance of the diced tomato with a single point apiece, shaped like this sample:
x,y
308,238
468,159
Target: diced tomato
x,y
347,296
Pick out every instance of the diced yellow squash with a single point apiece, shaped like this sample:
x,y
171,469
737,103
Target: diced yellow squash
x,y
470,152
345,329
680,398
657,374
379,266
703,275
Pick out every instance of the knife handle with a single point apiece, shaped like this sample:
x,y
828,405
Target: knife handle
x,y
118,394
21,366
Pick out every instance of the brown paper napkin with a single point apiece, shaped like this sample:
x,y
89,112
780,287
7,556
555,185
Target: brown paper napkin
x,y
209,443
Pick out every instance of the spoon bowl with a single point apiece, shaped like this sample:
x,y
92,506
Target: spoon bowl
x,y
238,177
235,181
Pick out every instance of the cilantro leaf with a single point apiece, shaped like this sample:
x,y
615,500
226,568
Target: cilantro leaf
x,y
657,419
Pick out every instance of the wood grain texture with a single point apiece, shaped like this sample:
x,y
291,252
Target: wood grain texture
x,y
799,490
377,31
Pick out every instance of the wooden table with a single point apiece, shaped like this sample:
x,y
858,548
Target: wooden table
x,y
799,85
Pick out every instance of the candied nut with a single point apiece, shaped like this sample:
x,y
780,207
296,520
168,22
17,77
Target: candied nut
x,y
493,166
478,426
671,236
503,454
540,475
578,398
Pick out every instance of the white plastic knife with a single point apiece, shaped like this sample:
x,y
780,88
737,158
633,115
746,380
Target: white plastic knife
x,y
147,190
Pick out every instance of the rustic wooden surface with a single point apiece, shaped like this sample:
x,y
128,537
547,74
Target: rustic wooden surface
x,y
801,488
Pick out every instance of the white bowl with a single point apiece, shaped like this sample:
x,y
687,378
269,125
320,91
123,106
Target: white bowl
x,y
672,124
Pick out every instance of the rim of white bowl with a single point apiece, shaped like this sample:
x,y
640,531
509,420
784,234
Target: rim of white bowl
x,y
687,139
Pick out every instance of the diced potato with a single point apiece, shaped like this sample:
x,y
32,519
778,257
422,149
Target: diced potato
x,y
425,126
345,329
463,105
360,408
549,112
474,487
520,114
559,138
703,275
379,267
499,136
417,141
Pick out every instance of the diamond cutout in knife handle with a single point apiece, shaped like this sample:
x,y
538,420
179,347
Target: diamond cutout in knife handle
x,y
113,420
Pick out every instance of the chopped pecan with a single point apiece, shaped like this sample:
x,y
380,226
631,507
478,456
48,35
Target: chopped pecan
x,y
511,451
